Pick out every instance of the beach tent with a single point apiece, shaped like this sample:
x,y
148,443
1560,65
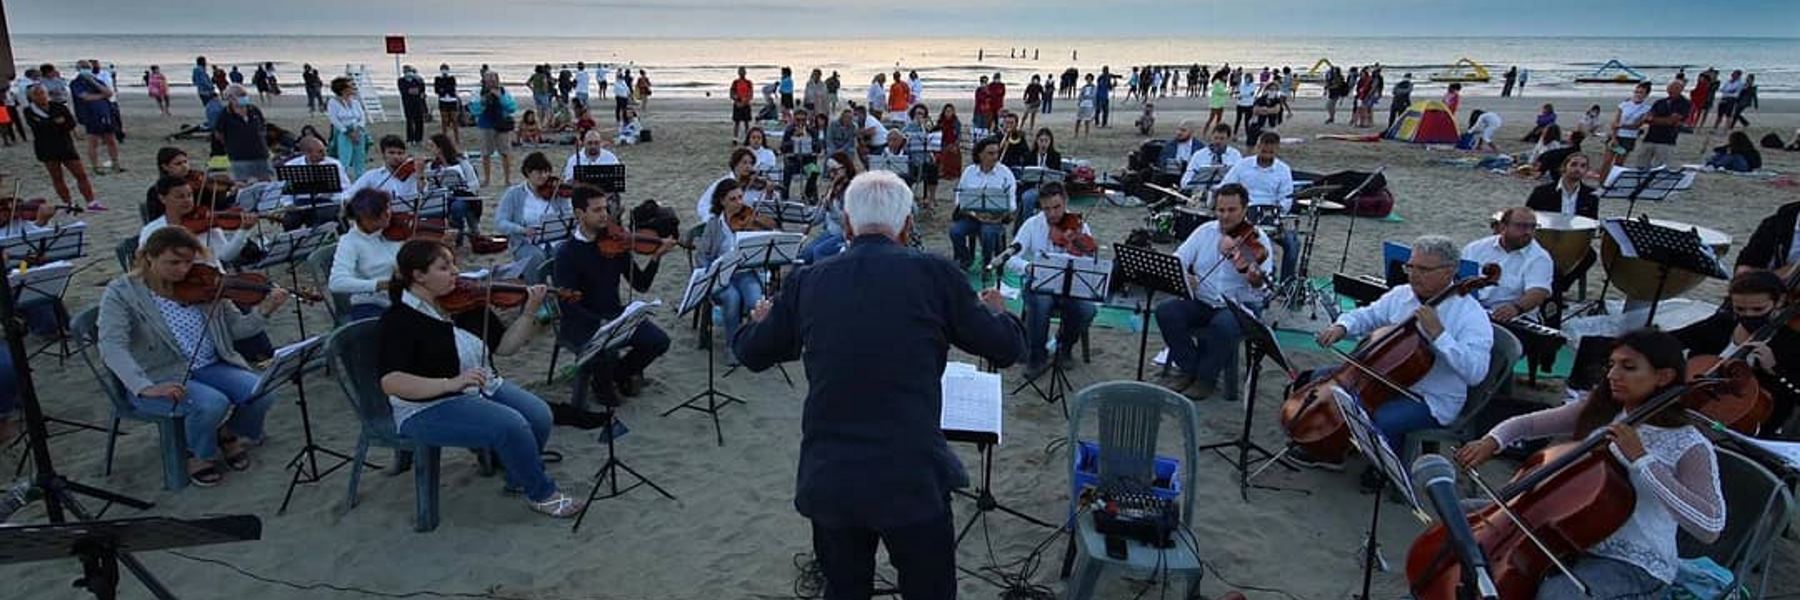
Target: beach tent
x,y
1425,122
1464,71
1316,74
1624,74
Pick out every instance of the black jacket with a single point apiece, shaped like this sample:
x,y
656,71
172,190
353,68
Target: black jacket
x,y
580,267
416,344
1769,245
1546,198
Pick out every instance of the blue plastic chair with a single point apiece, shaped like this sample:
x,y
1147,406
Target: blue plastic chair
x,y
352,351
172,427
1758,506
1130,416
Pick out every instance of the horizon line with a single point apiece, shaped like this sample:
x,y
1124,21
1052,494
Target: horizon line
x,y
887,37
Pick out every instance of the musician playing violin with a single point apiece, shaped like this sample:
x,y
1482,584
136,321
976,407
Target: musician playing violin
x,y
363,262
580,266
1673,470
1218,265
176,356
395,177
739,168
1755,297
1459,334
718,241
178,201
1037,237
526,206
1526,270
1776,243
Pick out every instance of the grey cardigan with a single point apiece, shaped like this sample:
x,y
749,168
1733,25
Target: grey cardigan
x,y
137,345
509,219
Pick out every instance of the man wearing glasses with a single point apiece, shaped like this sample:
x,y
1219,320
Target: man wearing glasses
x,y
1459,336
1526,270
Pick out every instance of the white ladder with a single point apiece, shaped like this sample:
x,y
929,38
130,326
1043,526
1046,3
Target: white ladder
x,y
365,90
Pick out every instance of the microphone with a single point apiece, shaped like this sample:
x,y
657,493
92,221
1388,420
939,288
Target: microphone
x,y
1434,477
1000,261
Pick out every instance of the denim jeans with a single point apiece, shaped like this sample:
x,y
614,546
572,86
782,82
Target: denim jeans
x,y
1076,315
1200,338
1028,204
1400,416
513,423
465,215
962,239
1289,241
825,246
1103,111
9,386
646,344
212,391
359,312
1611,579
737,298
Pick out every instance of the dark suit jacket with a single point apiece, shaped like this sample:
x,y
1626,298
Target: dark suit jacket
x,y
1546,198
1768,246
873,326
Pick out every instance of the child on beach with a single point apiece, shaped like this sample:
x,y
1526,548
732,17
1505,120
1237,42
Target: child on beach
x,y
1453,97
1084,108
1146,122
530,132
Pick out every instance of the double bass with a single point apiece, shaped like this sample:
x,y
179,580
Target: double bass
x,y
1396,356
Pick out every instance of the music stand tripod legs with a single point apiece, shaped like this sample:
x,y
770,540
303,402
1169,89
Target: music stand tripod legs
x,y
985,502
305,462
1244,445
607,477
1055,392
713,398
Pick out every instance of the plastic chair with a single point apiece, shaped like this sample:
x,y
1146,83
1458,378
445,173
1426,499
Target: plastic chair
x,y
1506,351
1130,415
1758,505
319,263
171,427
125,250
352,351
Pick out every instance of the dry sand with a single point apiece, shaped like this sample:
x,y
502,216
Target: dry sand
x,y
734,532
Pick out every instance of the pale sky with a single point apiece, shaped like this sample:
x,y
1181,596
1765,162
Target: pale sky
x,y
913,18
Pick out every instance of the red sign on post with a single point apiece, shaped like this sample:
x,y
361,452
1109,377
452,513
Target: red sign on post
x,y
396,44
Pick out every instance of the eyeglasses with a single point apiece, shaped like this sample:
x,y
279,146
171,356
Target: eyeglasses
x,y
1414,269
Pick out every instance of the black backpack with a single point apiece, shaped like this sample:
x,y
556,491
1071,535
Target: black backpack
x,y
1771,141
656,217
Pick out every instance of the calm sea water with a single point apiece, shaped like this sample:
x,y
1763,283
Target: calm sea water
x,y
695,67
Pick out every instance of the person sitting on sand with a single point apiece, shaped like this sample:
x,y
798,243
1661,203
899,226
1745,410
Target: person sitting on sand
x,y
1738,155
530,131
1546,117
629,129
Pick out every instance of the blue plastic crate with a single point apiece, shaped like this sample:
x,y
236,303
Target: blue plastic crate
x,y
1087,473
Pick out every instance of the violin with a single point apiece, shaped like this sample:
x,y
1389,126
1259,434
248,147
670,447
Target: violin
x,y
1573,495
1398,356
406,169
31,210
403,226
1245,234
205,283
217,191
616,241
1067,233
474,294
203,219
553,187
748,219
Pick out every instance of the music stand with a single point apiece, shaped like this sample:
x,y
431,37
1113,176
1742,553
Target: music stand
x,y
609,338
972,413
609,178
1205,178
447,178
785,212
290,365
62,242
100,545
1374,445
262,197
702,285
1669,248
900,165
985,200
1154,272
46,284
1035,175
1259,343
553,229
1061,276
313,185
1655,185
291,248
768,250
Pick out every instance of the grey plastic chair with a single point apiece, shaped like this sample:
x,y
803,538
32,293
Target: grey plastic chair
x,y
352,350
1507,351
1758,505
1130,417
125,250
172,427
319,263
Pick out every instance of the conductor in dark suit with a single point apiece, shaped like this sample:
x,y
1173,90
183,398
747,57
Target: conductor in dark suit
x,y
873,326
1567,195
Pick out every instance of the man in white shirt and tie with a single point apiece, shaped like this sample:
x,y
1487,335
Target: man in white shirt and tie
x,y
1526,270
1217,154
593,152
1200,331
1269,182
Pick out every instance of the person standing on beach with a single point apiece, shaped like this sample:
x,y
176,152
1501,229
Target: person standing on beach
x,y
412,104
242,130
1402,99
742,94
621,91
158,83
1453,98
493,109
1512,75
16,100
202,81
1625,127
315,89
1103,88
1728,98
787,88
51,127
874,467
449,104
1663,129
583,78
349,126
93,108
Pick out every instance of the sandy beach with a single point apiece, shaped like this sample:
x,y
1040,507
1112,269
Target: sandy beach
x,y
734,532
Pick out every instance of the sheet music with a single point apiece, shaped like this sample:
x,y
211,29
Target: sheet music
x,y
633,315
287,360
971,400
41,282
1370,440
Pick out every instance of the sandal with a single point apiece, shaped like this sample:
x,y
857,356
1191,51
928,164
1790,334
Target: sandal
x,y
559,505
238,461
206,477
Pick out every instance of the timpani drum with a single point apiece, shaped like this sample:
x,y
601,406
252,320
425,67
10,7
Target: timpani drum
x,y
1637,277
1568,238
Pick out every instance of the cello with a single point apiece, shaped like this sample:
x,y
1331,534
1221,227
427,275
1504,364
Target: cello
x,y
1391,360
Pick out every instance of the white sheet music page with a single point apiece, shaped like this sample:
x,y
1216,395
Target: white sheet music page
x,y
971,400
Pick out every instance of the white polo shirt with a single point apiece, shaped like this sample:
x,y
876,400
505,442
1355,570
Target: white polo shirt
x,y
1521,270
1271,185
581,159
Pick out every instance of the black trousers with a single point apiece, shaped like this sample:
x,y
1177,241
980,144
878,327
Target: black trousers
x,y
415,122
923,553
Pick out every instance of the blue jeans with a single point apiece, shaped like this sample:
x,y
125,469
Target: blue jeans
x,y
1730,162
212,391
1028,204
1289,241
1400,416
365,310
1103,110
465,215
514,424
736,298
962,239
1185,324
43,318
9,386
1076,315
825,246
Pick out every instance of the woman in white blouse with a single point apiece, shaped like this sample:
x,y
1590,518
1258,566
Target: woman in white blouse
x,y
363,262
465,206
349,126
1672,468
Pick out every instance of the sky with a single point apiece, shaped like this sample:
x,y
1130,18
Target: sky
x,y
911,18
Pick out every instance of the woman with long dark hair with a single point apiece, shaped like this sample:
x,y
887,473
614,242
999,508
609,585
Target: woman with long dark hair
x,y
1672,465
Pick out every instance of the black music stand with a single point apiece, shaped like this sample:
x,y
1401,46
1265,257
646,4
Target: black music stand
x,y
1259,343
290,365
291,248
609,338
1669,248
1154,272
786,212
967,392
62,242
47,284
1071,278
100,545
772,251
609,178
313,185
1374,445
1655,185
702,285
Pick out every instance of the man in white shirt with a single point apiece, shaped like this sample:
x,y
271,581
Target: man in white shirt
x,y
872,127
1626,126
1483,125
984,180
393,155
1461,339
1269,182
593,152
916,86
312,152
1526,270
1216,154
1201,333
621,91
1033,241
582,78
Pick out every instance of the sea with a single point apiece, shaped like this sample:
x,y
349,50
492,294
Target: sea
x,y
950,66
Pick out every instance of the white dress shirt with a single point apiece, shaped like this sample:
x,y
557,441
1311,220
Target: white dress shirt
x,y
223,246
380,179
1205,158
1521,270
360,263
1271,185
1200,258
1034,242
1462,349
1793,256
1571,197
581,159
1001,178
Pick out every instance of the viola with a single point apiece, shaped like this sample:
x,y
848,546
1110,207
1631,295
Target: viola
x,y
747,219
203,219
1066,233
403,226
1398,355
616,241
474,294
205,283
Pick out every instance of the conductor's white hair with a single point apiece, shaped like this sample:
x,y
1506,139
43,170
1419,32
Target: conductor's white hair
x,y
878,202
1441,246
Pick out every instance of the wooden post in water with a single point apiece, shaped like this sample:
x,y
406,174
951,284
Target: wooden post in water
x,y
6,56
